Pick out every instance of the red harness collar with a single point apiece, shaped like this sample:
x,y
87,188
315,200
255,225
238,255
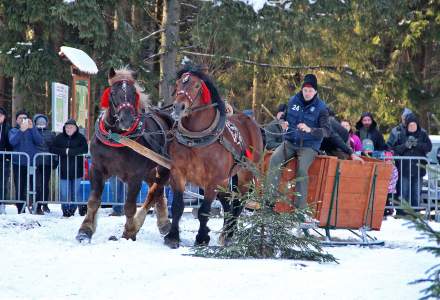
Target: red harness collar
x,y
103,134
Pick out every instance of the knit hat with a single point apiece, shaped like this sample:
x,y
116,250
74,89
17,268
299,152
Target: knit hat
x,y
310,81
21,112
3,111
406,112
70,122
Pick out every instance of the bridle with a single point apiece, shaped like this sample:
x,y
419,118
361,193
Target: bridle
x,y
124,105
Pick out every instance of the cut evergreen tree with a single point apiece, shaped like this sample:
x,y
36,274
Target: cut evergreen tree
x,y
433,274
265,233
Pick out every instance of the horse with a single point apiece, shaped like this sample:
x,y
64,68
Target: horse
x,y
206,150
110,158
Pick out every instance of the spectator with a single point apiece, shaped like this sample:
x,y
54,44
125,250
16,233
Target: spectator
x,y
44,164
369,134
23,138
399,129
337,143
307,116
275,130
69,145
5,167
117,191
414,142
354,140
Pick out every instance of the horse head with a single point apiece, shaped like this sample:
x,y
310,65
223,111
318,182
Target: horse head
x,y
191,92
123,98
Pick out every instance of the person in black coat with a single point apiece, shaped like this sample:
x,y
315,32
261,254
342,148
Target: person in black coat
x,y
69,145
415,142
44,164
274,130
367,131
5,160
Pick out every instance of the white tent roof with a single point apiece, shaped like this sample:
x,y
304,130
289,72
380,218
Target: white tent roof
x,y
79,59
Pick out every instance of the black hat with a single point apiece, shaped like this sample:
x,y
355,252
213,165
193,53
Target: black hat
x,y
282,108
3,111
310,81
71,122
21,112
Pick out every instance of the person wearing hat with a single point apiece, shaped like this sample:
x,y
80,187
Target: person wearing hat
x,y
44,164
69,145
414,141
369,134
274,130
399,129
5,166
308,124
24,137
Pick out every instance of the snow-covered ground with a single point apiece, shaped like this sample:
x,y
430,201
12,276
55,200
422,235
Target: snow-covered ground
x,y
40,259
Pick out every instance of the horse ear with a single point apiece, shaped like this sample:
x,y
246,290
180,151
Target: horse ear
x,y
111,73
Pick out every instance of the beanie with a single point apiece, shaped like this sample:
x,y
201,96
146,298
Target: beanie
x,y
310,81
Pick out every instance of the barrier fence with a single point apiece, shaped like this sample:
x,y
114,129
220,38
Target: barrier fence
x,y
48,180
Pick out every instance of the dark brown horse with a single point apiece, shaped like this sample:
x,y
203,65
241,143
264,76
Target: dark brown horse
x,y
206,151
112,159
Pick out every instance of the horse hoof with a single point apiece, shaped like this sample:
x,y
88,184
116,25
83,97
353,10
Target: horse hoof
x,y
129,237
165,228
202,240
171,242
113,238
83,237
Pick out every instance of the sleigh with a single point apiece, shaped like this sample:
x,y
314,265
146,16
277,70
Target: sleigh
x,y
343,194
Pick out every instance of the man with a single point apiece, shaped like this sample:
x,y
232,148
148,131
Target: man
x,y
5,166
44,164
307,118
399,129
275,130
414,141
69,145
23,138
337,144
369,134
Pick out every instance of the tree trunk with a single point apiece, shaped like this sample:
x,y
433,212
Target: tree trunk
x,y
2,91
169,45
255,91
17,100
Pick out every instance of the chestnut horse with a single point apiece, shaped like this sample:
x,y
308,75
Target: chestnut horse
x,y
206,151
113,159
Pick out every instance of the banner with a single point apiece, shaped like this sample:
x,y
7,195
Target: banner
x,y
60,106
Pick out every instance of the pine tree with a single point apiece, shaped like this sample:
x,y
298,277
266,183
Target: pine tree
x,y
266,233
433,273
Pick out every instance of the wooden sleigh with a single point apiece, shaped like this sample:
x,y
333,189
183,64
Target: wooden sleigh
x,y
343,194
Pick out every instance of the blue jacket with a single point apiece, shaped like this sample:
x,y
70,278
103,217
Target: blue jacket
x,y
26,141
300,111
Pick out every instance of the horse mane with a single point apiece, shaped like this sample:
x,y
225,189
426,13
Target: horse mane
x,y
215,95
125,73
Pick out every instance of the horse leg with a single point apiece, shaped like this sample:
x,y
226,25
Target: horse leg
x,y
88,226
202,237
172,239
163,223
232,209
131,226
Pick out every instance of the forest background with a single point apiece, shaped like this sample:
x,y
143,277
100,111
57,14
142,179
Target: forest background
x,y
378,56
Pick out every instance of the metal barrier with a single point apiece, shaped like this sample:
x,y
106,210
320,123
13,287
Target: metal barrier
x,y
15,172
418,184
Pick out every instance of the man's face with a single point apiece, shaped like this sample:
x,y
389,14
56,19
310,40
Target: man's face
x,y
412,127
21,118
2,118
308,93
367,121
70,129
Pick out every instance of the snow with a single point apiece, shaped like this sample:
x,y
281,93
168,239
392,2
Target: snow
x,y
79,59
45,262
